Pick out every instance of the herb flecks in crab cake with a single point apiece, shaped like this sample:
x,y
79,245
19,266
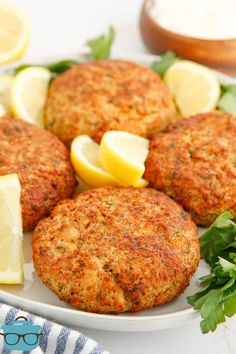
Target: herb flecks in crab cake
x,y
194,162
42,164
116,249
95,97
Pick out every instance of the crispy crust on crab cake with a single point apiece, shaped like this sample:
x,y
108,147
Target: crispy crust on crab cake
x,y
42,164
94,97
116,249
194,162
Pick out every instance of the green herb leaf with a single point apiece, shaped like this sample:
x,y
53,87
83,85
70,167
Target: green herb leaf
x,y
227,102
218,299
230,306
212,311
198,299
228,88
56,68
161,66
22,67
61,66
217,238
101,46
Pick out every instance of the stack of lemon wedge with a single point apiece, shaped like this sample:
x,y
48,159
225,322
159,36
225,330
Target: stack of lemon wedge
x,y
119,160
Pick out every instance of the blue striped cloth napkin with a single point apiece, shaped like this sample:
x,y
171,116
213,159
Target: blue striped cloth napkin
x,y
55,338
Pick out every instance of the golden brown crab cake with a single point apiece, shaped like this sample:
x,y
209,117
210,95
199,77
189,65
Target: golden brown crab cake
x,y
94,97
43,166
116,249
194,162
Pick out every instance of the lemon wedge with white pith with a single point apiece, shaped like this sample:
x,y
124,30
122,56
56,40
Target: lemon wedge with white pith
x,y
84,157
140,183
123,154
194,87
11,234
28,94
5,89
15,32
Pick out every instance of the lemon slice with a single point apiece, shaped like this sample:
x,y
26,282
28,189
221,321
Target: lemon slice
x,y
194,87
28,94
5,88
123,154
11,256
84,157
15,32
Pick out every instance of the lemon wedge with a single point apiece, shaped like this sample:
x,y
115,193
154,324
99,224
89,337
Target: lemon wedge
x,y
5,89
123,154
194,87
84,157
15,33
28,94
141,183
11,255
176,74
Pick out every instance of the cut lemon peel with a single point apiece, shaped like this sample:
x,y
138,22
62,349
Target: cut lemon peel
x,y
84,157
194,87
15,29
28,94
123,154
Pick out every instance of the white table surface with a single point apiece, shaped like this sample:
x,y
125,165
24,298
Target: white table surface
x,y
62,26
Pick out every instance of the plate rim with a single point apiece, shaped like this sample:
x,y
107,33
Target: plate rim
x,y
20,301
178,314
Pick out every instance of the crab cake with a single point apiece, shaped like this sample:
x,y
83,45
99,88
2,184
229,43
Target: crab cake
x,y
194,162
42,164
94,97
116,249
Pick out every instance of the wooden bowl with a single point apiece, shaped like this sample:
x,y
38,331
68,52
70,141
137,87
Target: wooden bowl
x,y
218,54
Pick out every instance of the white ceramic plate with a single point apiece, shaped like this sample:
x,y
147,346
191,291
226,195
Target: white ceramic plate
x,y
36,297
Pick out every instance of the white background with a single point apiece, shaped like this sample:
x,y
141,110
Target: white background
x,y
61,27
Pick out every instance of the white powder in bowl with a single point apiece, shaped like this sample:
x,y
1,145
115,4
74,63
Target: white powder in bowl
x,y
207,19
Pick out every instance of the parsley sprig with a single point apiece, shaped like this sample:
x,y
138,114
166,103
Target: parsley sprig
x,y
101,46
227,100
218,298
162,65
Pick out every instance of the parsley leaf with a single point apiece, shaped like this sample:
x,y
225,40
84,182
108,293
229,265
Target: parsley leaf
x,y
61,66
230,306
217,238
227,101
101,46
218,298
228,88
161,66
55,68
